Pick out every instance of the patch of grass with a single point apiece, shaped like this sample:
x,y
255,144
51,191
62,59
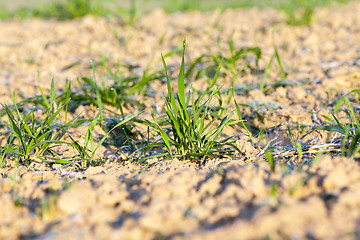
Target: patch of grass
x,y
117,91
270,159
191,131
182,5
31,137
232,63
129,15
113,90
243,124
296,144
300,12
62,10
349,143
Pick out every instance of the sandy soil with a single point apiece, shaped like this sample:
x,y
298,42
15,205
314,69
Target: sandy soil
x,y
221,198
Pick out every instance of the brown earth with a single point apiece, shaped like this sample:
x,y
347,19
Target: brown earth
x,y
221,198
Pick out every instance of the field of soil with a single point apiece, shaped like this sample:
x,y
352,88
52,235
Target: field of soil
x,y
238,197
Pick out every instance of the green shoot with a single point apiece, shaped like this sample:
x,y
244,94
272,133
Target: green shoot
x,y
29,137
243,124
192,135
270,158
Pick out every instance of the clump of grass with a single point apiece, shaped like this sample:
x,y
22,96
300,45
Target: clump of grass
x,y
73,9
62,10
130,13
31,137
184,5
263,86
191,135
300,12
349,144
296,144
113,90
42,101
230,62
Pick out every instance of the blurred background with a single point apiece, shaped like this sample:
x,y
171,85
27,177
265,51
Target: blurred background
x,y
298,11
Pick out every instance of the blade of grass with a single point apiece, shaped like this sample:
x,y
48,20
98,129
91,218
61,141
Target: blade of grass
x,y
243,123
284,74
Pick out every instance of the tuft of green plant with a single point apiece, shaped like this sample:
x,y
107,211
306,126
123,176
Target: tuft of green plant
x,y
191,131
296,144
4,13
71,9
350,142
114,90
31,137
266,87
42,101
87,155
230,62
270,159
243,124
62,10
183,5
130,14
300,12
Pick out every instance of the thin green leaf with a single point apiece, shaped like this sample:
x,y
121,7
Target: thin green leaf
x,y
243,123
181,80
284,74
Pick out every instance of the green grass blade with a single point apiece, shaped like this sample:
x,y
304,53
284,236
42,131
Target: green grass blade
x,y
266,74
354,141
67,97
352,114
338,104
284,74
181,85
270,158
338,123
243,123
170,93
15,127
49,120
52,95
92,125
292,138
81,150
216,76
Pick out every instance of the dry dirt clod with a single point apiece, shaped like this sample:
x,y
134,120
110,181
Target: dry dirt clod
x,y
77,199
